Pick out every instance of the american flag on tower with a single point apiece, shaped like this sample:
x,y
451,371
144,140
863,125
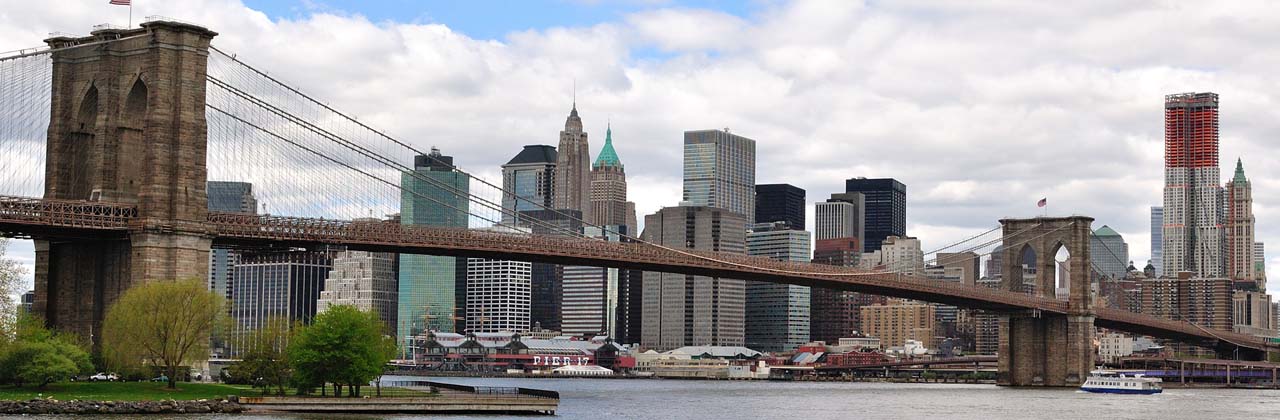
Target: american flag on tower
x,y
1043,202
122,2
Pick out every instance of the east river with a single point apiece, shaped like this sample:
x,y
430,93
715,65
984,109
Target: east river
x,y
602,399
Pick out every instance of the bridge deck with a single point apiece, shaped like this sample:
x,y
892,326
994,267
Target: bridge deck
x,y
21,216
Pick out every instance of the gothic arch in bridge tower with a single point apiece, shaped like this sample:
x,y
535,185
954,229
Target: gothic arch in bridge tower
x,y
1026,257
78,146
132,152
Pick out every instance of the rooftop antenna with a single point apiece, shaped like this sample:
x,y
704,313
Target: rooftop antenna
x,y
575,93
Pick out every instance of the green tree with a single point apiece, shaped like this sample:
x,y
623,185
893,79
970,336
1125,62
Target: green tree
x,y
164,324
38,356
10,281
264,360
343,346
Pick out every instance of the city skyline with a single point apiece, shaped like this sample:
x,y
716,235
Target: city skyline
x,y
1119,201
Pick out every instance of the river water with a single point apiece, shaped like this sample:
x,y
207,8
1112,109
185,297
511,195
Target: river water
x,y
598,399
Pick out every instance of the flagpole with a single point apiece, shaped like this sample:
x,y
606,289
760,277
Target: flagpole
x,y
130,26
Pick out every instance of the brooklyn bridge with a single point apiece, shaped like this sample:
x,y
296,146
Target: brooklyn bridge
x,y
109,139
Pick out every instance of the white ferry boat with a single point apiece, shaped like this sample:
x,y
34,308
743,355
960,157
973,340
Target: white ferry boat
x,y
1108,382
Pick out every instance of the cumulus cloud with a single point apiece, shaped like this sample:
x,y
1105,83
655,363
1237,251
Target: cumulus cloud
x,y
981,108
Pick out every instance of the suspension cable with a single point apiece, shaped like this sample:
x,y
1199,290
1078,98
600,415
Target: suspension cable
x,y
382,159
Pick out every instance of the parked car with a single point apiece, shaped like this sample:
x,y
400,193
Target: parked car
x,y
108,377
161,378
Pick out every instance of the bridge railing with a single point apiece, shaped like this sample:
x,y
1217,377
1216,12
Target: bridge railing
x,y
66,213
280,228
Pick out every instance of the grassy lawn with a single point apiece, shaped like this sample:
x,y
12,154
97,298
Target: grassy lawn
x,y
120,391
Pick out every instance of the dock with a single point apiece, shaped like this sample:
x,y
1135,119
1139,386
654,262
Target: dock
x,y
438,398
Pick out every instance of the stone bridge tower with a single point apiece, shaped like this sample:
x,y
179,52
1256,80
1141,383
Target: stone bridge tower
x,y
1038,349
127,126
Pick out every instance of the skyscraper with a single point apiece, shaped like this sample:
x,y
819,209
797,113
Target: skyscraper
x,y
231,197
1260,264
609,205
498,292
684,310
841,216
547,280
886,209
365,280
780,203
777,315
1157,239
282,285
1239,229
432,289
837,313
573,167
610,208
1192,195
592,295
720,171
1109,252
529,179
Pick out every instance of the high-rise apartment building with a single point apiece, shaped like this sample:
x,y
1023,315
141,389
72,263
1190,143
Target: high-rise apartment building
x,y
365,280
720,171
1192,196
1239,229
609,205
283,286
432,290
1201,301
529,180
1109,252
1157,239
573,167
886,209
897,321
780,203
684,310
498,292
986,324
777,315
896,254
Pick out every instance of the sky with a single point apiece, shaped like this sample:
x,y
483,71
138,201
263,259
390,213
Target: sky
x,y
981,108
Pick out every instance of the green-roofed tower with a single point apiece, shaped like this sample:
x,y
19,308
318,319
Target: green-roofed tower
x,y
1239,227
608,156
609,205
1238,178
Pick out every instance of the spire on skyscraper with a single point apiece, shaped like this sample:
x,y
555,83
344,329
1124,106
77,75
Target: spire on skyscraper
x,y
573,124
1239,171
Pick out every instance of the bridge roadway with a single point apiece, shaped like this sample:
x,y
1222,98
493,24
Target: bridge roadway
x,y
30,217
